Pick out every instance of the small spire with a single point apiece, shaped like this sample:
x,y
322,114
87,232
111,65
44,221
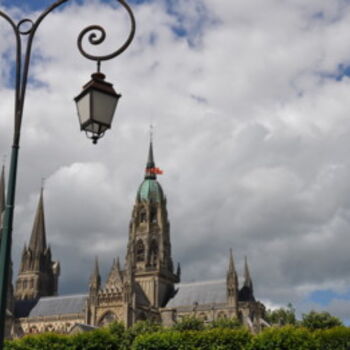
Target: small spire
x,y
150,159
37,241
95,280
231,266
247,278
97,269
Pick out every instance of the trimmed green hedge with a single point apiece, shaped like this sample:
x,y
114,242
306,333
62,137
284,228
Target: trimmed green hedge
x,y
223,339
337,338
150,337
285,338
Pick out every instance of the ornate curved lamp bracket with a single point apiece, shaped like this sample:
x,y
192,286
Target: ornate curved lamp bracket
x,y
27,27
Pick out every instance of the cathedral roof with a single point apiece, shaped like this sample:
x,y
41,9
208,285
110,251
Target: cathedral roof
x,y
50,306
205,292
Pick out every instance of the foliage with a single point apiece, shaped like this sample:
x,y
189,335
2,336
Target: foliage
x,y
189,323
45,341
100,339
230,323
337,338
148,336
284,338
282,316
139,328
117,329
320,320
209,339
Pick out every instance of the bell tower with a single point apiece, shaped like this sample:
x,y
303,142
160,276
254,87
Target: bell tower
x,y
149,247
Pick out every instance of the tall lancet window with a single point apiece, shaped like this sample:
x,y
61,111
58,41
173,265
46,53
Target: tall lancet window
x,y
140,251
153,216
153,253
143,216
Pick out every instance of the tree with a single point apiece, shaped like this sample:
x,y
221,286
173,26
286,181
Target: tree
x,y
228,323
282,316
189,323
320,320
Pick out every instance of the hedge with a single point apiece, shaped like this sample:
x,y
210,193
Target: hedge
x,y
285,338
147,337
210,339
333,339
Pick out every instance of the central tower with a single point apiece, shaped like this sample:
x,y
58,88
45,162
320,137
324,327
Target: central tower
x,y
149,248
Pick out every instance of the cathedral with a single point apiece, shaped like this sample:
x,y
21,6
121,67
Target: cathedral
x,y
145,287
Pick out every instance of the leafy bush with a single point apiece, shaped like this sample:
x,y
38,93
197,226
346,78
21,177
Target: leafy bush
x,y
99,339
320,320
284,338
282,316
45,341
189,323
229,323
139,328
210,339
337,338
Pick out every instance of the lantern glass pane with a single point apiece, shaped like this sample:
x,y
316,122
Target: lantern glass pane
x,y
83,106
103,107
95,128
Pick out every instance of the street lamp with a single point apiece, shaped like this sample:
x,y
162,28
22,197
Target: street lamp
x,y
96,105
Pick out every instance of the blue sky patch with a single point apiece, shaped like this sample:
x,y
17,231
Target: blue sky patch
x,y
325,297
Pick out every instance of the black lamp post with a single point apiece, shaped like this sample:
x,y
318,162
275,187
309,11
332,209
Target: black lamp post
x,y
96,106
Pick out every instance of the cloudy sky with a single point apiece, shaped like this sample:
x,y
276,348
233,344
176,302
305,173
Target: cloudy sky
x,y
251,106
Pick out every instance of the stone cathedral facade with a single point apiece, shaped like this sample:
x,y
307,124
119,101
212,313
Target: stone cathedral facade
x,y
145,287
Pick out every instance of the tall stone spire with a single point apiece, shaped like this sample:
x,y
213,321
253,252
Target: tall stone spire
x,y
246,293
2,197
247,279
37,242
232,284
95,279
38,275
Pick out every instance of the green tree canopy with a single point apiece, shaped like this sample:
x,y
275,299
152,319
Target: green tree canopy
x,y
282,316
320,320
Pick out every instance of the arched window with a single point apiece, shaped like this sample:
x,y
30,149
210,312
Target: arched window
x,y
107,318
33,329
221,315
143,215
202,316
31,283
153,253
25,284
140,251
153,216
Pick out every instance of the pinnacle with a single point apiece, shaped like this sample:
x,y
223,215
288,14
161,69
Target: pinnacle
x,y
38,238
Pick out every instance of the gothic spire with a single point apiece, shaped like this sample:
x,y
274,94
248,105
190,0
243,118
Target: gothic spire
x,y
231,266
232,283
95,279
37,241
2,196
247,279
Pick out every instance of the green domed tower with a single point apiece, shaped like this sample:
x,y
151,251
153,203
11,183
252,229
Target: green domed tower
x,y
149,249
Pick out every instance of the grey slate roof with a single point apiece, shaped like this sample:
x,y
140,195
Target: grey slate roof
x,y
205,292
61,305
